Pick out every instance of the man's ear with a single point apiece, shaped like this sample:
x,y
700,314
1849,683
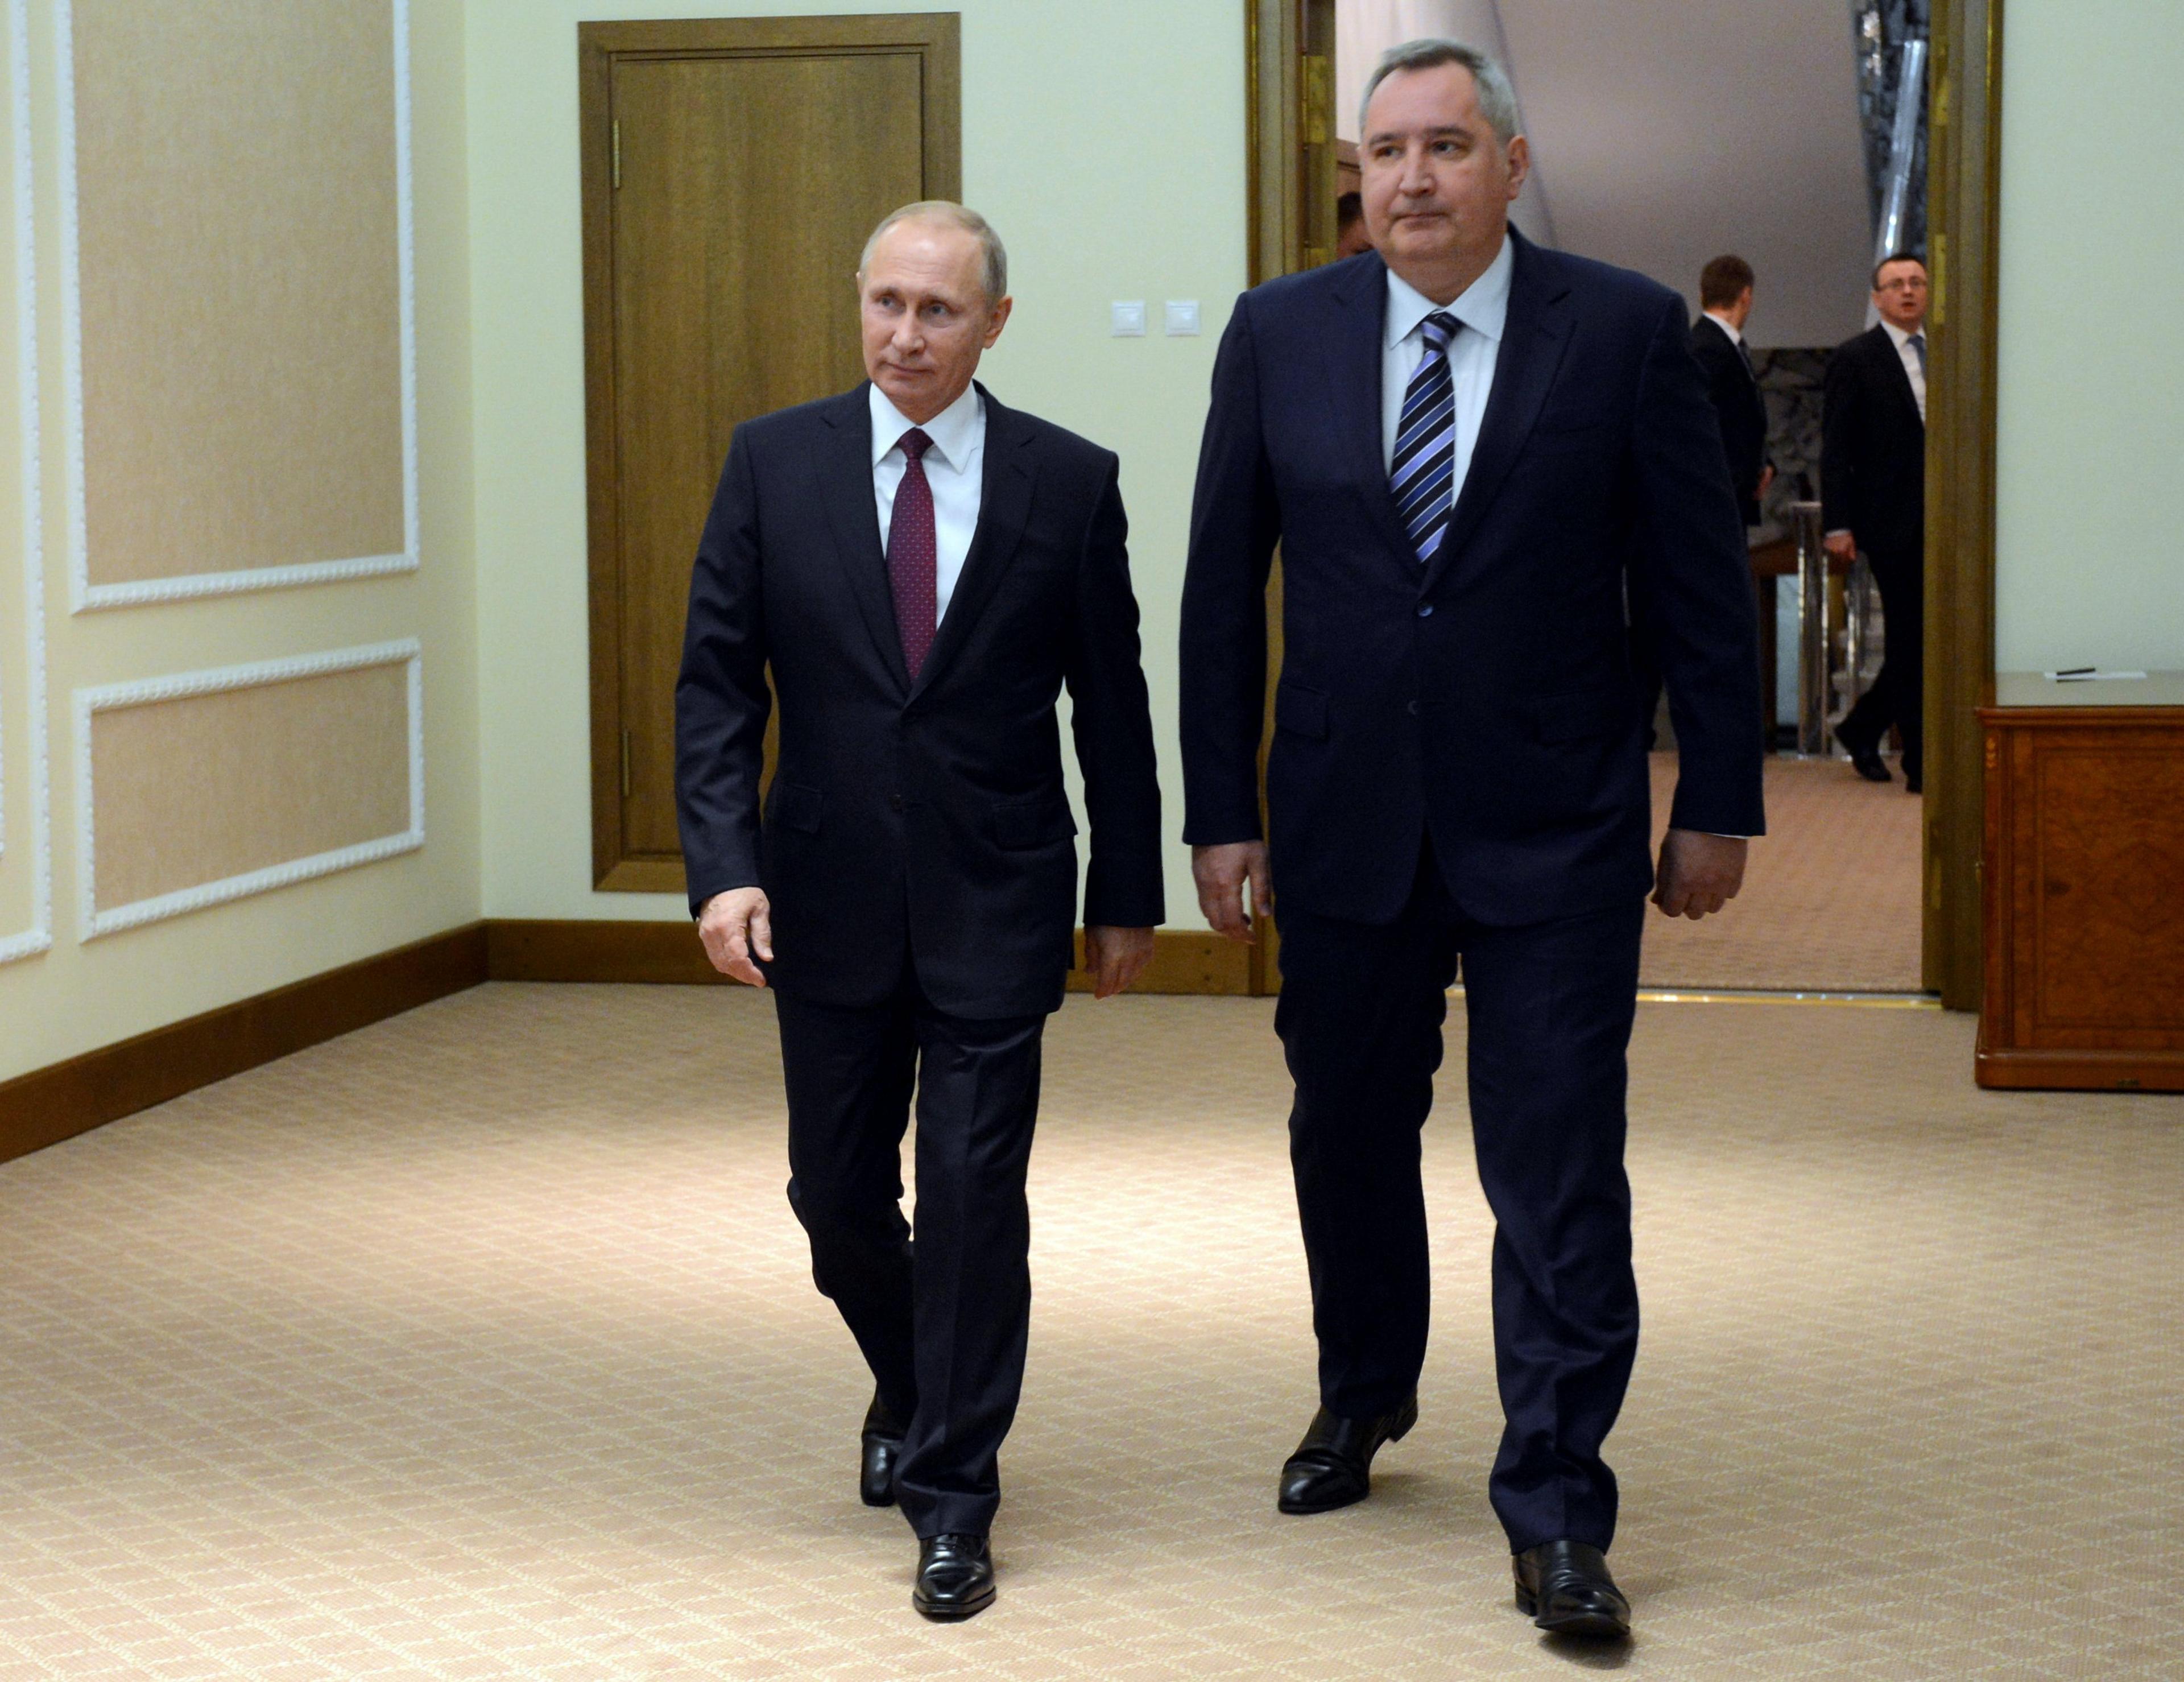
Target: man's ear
x,y
1000,320
1519,154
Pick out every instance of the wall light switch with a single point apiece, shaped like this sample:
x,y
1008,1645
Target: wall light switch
x,y
1182,317
1128,318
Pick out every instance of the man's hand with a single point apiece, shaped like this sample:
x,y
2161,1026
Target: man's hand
x,y
1766,477
735,924
1116,957
1698,873
1221,873
1842,545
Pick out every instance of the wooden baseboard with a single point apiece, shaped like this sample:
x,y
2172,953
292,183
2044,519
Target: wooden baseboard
x,y
2016,1069
59,1102
1187,960
1184,960
49,1104
539,948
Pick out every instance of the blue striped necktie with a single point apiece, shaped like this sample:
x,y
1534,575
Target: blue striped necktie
x,y
1424,470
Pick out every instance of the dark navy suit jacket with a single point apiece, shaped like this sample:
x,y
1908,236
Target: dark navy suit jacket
x,y
924,823
1873,450
1486,699
1738,407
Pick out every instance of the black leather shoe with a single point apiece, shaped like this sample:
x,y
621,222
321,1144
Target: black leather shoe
x,y
1865,758
1564,1587
1914,784
1333,1466
955,1578
881,1444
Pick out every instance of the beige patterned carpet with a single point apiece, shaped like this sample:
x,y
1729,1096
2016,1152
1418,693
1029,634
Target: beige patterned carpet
x,y
481,1344
1831,898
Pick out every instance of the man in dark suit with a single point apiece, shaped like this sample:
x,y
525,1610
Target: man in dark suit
x,y
1872,495
1461,441
1725,288
923,570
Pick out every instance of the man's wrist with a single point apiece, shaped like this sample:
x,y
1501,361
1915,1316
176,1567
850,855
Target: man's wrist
x,y
703,906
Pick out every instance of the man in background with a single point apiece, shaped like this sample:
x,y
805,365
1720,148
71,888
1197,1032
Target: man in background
x,y
1873,494
1464,443
924,570
1725,288
1351,236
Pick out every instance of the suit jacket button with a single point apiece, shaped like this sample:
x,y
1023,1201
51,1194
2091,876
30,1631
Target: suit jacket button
x,y
895,803
1412,707
1425,609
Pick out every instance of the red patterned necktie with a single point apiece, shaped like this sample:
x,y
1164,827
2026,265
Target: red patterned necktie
x,y
913,555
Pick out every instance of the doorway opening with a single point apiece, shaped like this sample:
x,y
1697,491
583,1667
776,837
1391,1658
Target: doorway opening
x,y
1783,153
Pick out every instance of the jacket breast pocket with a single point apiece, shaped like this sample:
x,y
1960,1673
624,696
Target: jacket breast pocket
x,y
1601,710
1301,711
794,806
1039,821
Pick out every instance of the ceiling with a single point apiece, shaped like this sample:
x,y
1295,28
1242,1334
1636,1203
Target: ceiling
x,y
1665,132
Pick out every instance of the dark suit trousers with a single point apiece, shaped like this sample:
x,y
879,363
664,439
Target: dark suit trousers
x,y
941,1323
1898,695
1550,1007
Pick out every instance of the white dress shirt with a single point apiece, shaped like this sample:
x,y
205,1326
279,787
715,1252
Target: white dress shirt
x,y
1913,367
953,465
1483,308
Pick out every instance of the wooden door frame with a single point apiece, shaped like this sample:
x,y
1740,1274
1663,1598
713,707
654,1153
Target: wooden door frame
x,y
1289,156
1963,205
1290,174
937,36
1289,106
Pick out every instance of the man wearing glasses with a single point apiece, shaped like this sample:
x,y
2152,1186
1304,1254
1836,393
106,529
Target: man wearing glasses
x,y
1872,491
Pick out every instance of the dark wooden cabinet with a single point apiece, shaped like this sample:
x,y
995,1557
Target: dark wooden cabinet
x,y
2084,884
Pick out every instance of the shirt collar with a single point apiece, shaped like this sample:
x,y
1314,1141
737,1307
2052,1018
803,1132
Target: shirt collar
x,y
1726,325
952,430
1483,306
1897,336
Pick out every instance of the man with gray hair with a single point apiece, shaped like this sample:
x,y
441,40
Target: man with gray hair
x,y
1471,450
920,570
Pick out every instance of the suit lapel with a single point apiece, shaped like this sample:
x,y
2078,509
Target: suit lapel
x,y
845,486
1004,488
1354,358
1533,339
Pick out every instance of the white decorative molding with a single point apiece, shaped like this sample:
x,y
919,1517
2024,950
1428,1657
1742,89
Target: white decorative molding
x,y
183,685
83,594
40,935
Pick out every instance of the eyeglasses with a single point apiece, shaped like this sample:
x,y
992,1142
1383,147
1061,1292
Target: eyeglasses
x,y
1904,283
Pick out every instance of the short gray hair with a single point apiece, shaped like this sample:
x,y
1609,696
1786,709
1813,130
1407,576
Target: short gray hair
x,y
1497,99
994,268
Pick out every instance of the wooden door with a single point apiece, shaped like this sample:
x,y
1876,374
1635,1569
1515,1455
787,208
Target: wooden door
x,y
732,169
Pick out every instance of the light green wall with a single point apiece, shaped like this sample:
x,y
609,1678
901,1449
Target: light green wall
x,y
82,995
1106,144
2089,562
